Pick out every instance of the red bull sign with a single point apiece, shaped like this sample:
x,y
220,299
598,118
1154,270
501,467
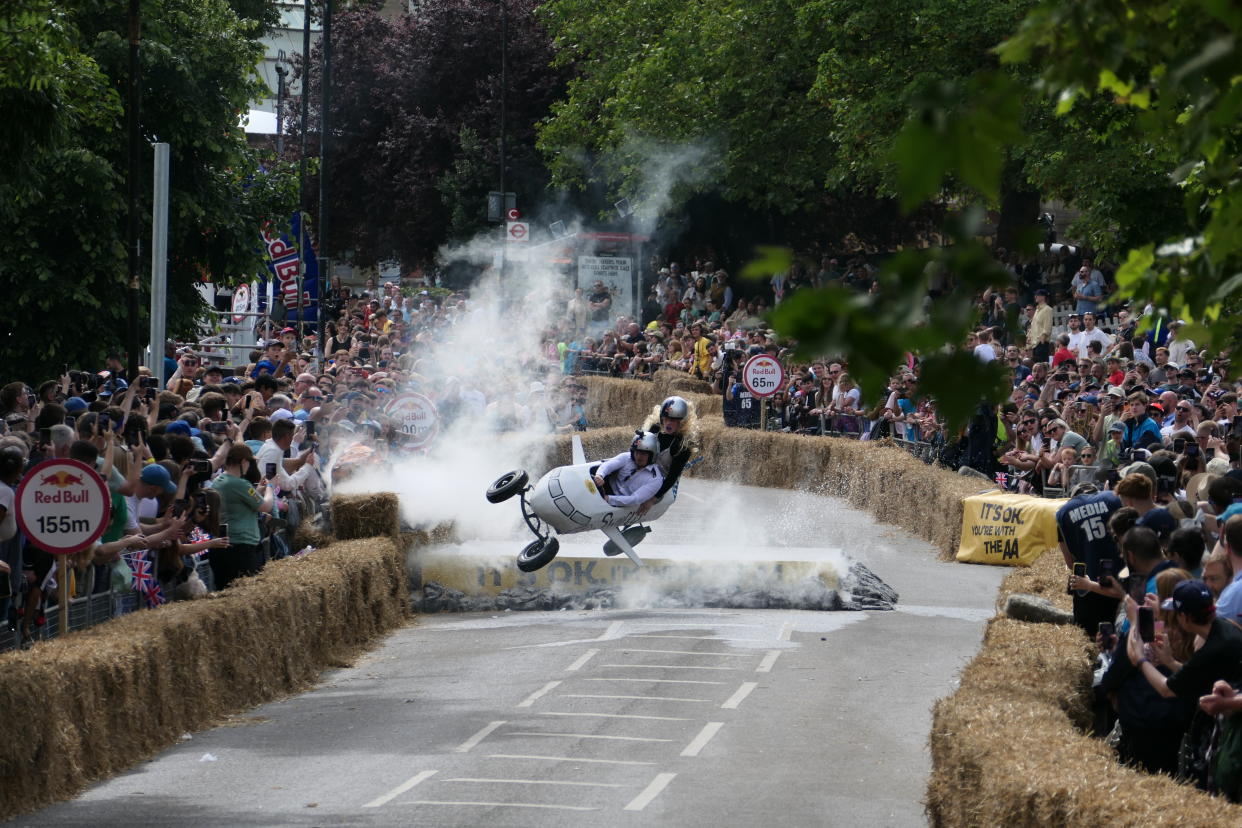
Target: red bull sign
x,y
63,506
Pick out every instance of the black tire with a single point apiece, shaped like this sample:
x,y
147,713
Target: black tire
x,y
538,554
507,485
633,536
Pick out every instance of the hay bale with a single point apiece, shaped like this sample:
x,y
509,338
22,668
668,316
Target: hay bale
x,y
365,515
92,704
1009,748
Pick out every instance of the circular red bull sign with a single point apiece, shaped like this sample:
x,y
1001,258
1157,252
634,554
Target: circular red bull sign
x,y
63,506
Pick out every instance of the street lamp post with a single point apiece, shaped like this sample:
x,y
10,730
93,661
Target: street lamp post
x,y
281,72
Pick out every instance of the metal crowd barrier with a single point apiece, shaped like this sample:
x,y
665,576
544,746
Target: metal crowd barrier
x,y
89,610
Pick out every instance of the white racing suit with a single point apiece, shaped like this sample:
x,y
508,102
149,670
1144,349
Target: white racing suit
x,y
630,484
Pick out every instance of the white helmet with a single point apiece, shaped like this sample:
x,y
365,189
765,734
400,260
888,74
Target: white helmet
x,y
675,407
645,441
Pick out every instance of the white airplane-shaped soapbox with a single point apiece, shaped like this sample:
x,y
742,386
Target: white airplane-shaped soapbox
x,y
566,500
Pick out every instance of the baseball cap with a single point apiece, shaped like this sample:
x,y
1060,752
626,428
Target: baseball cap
x,y
1117,426
1190,597
156,475
74,405
261,365
1141,468
280,414
178,427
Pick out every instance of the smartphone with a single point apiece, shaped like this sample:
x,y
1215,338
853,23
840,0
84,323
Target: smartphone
x,y
1179,445
1146,624
270,468
218,427
45,436
1080,571
200,466
147,382
200,502
328,397
1209,453
1192,449
179,508
224,531
1106,631
1106,571
248,398
310,428
364,354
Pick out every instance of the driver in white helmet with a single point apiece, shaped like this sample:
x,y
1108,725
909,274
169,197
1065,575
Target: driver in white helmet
x,y
632,477
672,424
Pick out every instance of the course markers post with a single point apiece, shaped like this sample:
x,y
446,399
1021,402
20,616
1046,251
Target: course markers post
x,y
763,376
416,417
63,507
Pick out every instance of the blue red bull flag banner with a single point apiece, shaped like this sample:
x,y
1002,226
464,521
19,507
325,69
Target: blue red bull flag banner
x,y
284,258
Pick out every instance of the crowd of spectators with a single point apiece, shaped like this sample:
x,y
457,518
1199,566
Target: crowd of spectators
x,y
220,463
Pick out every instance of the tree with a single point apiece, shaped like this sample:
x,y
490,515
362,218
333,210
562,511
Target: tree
x,y
414,125
62,202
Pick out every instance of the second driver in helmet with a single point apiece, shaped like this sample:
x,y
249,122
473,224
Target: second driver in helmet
x,y
632,477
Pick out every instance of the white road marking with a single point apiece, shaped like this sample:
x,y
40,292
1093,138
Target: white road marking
x,y
619,716
536,782
613,631
650,792
538,694
695,498
695,637
402,788
586,736
692,625
689,652
671,666
566,759
705,735
741,694
503,804
582,659
639,698
465,746
658,681
786,631
765,666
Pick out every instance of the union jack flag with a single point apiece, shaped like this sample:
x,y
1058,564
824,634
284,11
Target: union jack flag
x,y
197,535
1002,480
145,582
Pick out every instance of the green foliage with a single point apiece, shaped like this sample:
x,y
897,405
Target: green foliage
x,y
63,268
1172,70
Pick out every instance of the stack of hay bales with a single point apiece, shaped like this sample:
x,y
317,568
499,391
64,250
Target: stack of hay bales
x,y
1009,747
365,515
89,705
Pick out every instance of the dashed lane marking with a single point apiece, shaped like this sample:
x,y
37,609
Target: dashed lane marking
x,y
618,716
786,631
689,652
566,759
769,660
658,681
538,694
613,631
586,736
482,780
650,792
502,804
465,746
740,696
638,698
705,735
582,659
400,789
671,666
696,637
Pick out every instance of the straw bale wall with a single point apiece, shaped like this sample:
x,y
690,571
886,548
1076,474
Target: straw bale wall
x,y
365,515
1008,747
620,402
80,708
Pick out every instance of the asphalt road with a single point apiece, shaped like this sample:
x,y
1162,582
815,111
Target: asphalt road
x,y
688,717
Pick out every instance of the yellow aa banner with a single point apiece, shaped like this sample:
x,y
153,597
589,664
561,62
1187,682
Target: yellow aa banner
x,y
1007,529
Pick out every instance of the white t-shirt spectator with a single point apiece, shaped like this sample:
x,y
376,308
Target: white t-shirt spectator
x,y
984,352
8,526
1179,349
1085,338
